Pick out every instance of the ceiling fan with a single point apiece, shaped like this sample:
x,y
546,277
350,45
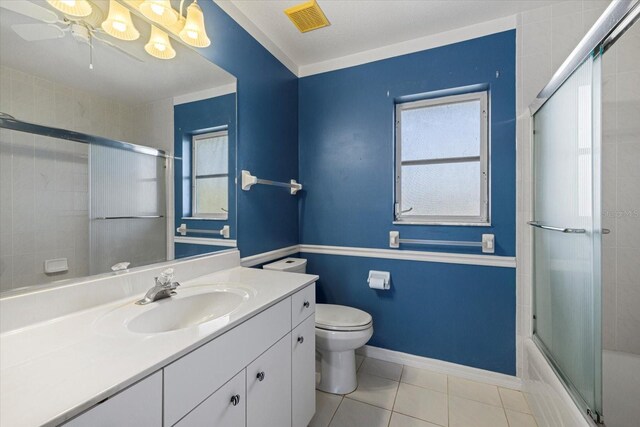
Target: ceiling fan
x,y
52,26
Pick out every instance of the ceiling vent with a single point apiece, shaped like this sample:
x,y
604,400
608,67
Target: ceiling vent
x,y
307,16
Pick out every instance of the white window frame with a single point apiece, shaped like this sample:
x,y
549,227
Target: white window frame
x,y
485,211
194,175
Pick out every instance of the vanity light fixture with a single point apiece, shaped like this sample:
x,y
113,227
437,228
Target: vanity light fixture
x,y
159,11
118,24
79,8
194,33
159,45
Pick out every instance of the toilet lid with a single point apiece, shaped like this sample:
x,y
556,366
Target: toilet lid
x,y
341,318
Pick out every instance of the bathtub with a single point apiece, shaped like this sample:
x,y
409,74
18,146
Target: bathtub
x,y
620,388
551,404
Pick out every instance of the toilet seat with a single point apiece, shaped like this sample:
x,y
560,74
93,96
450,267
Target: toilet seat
x,y
333,317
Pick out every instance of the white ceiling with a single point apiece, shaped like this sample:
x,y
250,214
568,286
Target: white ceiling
x,y
362,25
115,75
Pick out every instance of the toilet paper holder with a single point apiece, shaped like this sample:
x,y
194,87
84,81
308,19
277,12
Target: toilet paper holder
x,y
379,279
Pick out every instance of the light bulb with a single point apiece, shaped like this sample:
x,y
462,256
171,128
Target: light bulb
x,y
194,33
119,26
79,8
158,9
159,45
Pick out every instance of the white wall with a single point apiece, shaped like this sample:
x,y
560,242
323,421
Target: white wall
x,y
621,194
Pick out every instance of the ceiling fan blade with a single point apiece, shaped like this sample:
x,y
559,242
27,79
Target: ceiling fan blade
x,y
37,32
118,48
31,10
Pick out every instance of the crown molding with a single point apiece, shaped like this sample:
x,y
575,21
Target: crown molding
x,y
411,46
205,94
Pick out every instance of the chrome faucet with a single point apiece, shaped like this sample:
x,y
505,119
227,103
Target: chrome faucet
x,y
164,288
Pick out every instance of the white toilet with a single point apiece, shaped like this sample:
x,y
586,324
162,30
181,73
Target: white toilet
x,y
340,330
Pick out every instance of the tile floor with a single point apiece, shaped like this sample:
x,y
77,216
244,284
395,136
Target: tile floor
x,y
392,395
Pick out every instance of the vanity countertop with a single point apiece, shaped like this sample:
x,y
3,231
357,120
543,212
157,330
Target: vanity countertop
x,y
52,371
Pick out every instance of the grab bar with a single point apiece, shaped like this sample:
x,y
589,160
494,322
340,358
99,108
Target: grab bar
x,y
560,229
183,230
248,180
487,244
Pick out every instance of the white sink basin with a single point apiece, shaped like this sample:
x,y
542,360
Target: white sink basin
x,y
171,314
205,305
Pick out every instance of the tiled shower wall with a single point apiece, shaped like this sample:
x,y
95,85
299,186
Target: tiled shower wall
x,y
621,194
545,37
44,181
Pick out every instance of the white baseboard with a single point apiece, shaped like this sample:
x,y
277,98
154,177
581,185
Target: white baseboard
x,y
441,366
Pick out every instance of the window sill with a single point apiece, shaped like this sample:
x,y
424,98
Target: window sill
x,y
204,218
456,224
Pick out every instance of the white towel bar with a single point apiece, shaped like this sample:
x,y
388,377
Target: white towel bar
x,y
248,180
487,244
183,230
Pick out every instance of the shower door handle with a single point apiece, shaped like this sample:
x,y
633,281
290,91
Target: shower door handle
x,y
560,229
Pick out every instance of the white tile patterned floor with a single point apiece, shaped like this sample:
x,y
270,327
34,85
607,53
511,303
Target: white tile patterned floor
x,y
392,395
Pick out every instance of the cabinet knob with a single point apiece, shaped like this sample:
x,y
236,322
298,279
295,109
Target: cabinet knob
x,y
306,304
301,339
235,399
260,376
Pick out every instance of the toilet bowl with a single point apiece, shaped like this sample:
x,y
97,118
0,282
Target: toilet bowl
x,y
340,330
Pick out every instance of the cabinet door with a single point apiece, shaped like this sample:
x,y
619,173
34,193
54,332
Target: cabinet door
x,y
138,405
224,408
303,372
269,387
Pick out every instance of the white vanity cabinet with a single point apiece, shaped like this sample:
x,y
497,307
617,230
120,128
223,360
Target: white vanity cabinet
x,y
276,349
191,379
138,405
260,373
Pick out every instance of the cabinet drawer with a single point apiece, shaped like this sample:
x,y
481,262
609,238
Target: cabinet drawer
x,y
303,303
191,379
303,372
269,387
221,409
138,405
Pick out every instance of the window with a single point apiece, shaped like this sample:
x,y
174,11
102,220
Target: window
x,y
210,175
441,161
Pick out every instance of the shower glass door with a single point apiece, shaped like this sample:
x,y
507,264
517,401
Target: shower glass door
x,y
566,234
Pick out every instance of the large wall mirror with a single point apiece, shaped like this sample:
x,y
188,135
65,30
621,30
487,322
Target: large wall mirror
x,y
114,153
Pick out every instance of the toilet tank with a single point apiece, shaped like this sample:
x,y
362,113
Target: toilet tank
x,y
291,265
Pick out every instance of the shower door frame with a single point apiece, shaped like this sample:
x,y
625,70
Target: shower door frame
x,y
594,412
618,17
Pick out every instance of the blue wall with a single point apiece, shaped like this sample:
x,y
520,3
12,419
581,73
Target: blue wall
x,y
459,313
346,138
195,118
184,250
267,132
